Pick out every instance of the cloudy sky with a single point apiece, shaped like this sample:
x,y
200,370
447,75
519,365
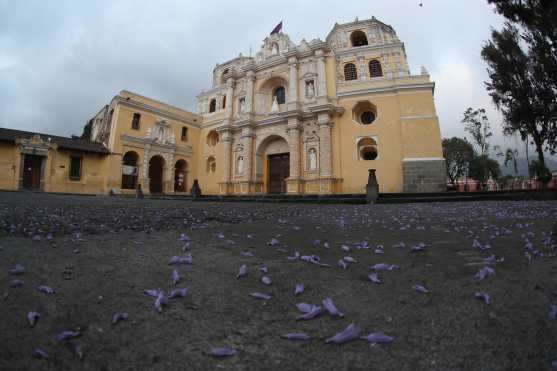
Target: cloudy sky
x,y
61,61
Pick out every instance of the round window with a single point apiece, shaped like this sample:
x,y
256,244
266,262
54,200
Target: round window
x,y
369,153
367,117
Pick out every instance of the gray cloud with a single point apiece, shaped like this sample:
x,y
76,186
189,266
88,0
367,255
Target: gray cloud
x,y
61,61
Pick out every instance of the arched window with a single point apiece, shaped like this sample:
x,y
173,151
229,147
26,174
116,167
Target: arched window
x,y
350,72
211,164
212,138
358,38
180,176
213,105
367,149
223,101
280,94
135,121
375,69
129,170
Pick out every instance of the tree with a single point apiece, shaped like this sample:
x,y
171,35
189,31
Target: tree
x,y
522,67
458,153
479,164
477,125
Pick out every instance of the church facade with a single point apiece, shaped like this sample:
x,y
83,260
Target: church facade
x,y
307,118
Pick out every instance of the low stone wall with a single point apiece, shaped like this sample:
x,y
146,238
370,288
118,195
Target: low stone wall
x,y
424,175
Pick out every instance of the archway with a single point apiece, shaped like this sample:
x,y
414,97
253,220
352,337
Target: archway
x,y
273,160
129,170
156,172
181,176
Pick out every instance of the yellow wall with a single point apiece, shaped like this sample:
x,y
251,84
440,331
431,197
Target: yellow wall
x,y
57,168
9,166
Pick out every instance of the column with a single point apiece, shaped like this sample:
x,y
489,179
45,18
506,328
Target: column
x,y
293,87
249,92
321,74
227,147
325,150
229,97
293,130
247,138
362,65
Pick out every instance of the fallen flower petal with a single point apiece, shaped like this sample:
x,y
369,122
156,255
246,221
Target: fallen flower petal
x,y
299,289
17,269
342,264
67,335
153,293
420,288
46,289
304,307
483,296
41,353
160,301
117,317
374,277
378,338
178,293
222,352
484,272
331,308
552,311
175,277
266,280
260,295
296,256
349,333
242,271
314,312
33,317
349,259
296,336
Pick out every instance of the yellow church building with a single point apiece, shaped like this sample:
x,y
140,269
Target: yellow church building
x,y
307,118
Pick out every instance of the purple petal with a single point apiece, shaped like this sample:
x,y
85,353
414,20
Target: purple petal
x,y
345,248
41,353
266,280
349,259
483,296
247,253
184,237
296,256
349,333
67,335
378,338
420,288
46,289
484,272
160,301
17,269
260,295
342,264
331,308
222,352
174,260
314,312
33,317
304,307
273,242
178,293
296,336
15,283
153,293
242,271
263,269
117,317
299,289
552,311
374,277
175,277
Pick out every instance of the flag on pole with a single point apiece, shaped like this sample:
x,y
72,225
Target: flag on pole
x,y
277,29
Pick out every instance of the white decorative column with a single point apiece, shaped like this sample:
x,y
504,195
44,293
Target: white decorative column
x,y
247,177
229,97
293,83
321,75
249,92
325,150
293,183
362,65
226,166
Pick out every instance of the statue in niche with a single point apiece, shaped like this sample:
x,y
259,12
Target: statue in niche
x,y
275,106
242,105
312,159
310,89
240,165
161,135
274,49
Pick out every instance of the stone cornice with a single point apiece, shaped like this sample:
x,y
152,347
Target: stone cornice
x,y
129,139
367,49
388,89
145,107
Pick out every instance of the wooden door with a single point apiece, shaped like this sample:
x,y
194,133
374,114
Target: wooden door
x,y
279,170
32,172
155,174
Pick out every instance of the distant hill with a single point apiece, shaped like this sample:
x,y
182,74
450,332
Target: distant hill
x,y
523,166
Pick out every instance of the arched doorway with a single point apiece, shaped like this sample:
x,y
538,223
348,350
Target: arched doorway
x,y
180,176
129,170
156,172
274,152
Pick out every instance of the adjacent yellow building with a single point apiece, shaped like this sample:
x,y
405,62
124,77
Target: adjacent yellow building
x,y
310,118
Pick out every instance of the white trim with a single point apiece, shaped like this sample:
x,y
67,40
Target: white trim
x,y
410,159
419,117
393,88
